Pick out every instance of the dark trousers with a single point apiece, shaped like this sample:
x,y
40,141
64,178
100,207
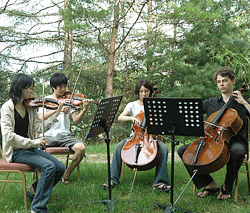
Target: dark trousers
x,y
237,155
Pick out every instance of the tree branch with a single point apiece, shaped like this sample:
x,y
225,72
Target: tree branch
x,y
5,6
131,27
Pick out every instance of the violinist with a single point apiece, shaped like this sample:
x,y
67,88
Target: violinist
x,y
18,125
238,144
59,134
143,89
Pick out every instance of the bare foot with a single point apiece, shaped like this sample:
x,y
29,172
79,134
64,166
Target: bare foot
x,y
162,187
105,185
209,189
65,181
224,194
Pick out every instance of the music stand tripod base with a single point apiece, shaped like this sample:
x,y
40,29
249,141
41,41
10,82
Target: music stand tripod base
x,y
174,116
109,203
102,122
170,209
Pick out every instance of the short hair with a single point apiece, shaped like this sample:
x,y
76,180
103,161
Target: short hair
x,y
225,71
19,82
144,83
58,79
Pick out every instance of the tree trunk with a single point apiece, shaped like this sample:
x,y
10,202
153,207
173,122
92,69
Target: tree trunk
x,y
172,78
149,38
68,40
111,57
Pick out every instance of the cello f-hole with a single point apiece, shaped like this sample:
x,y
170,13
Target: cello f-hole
x,y
217,136
137,151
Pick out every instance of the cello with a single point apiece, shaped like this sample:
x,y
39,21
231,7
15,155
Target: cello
x,y
210,153
141,151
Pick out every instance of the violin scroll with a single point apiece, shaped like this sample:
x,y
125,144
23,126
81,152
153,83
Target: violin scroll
x,y
155,90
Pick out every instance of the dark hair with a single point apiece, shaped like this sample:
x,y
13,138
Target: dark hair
x,y
58,79
225,71
144,83
19,82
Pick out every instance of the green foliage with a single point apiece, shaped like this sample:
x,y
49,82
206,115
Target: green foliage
x,y
188,42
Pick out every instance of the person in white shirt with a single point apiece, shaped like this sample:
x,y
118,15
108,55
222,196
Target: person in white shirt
x,y
143,89
59,134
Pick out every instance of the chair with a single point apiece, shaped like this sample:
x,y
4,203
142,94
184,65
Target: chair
x,y
6,167
63,151
245,163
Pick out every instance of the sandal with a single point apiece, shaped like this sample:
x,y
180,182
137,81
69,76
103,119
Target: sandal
x,y
162,188
105,185
65,181
210,191
225,192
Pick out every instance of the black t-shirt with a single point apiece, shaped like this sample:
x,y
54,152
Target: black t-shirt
x,y
21,124
214,104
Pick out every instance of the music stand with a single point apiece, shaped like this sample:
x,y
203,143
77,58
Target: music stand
x,y
102,122
174,116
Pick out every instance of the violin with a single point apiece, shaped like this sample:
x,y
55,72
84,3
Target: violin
x,y
141,151
75,99
210,153
48,103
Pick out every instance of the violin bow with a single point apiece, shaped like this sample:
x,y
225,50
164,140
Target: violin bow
x,y
43,109
75,83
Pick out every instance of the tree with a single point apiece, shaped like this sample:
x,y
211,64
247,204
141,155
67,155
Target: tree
x,y
28,26
68,36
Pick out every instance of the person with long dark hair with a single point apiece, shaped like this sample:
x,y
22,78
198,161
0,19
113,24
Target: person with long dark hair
x,y
143,89
18,125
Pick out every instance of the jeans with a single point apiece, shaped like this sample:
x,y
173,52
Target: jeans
x,y
52,171
161,171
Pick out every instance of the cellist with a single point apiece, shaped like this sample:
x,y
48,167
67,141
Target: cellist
x,y
238,144
143,89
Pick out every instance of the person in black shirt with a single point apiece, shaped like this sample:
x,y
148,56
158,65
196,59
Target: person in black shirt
x,y
225,80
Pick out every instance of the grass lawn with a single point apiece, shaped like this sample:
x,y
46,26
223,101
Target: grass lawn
x,y
79,196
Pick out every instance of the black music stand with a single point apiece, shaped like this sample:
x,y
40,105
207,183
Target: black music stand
x,y
102,122
174,116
